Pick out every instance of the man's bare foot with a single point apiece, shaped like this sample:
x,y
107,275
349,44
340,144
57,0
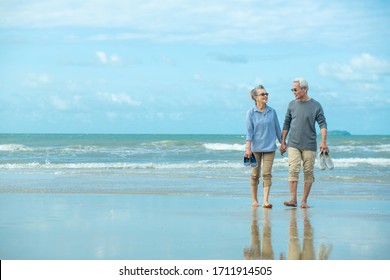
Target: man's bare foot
x,y
304,205
255,204
290,203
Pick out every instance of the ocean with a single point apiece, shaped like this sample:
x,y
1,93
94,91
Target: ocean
x,y
176,164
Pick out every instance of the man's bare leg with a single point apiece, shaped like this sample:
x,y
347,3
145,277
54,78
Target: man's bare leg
x,y
293,193
306,192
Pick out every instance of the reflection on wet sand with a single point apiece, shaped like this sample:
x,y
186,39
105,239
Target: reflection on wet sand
x,y
294,251
255,252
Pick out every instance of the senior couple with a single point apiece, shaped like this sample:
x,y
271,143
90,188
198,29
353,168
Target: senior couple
x,y
262,130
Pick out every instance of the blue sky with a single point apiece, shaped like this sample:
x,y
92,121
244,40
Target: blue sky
x,y
148,66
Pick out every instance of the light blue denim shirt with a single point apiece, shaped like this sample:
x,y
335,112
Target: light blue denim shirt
x,y
262,129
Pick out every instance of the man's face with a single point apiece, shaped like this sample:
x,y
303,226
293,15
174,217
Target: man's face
x,y
298,92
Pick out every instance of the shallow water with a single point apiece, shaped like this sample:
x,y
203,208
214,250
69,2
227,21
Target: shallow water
x,y
36,226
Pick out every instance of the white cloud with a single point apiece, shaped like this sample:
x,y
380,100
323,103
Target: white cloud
x,y
373,64
364,67
102,57
339,71
210,21
114,58
37,79
59,103
118,98
107,59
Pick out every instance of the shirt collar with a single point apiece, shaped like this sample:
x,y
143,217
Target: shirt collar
x,y
266,109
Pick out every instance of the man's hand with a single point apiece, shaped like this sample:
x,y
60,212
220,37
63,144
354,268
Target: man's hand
x,y
283,148
324,147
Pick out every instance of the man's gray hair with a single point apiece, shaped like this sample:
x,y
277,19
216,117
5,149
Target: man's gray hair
x,y
302,83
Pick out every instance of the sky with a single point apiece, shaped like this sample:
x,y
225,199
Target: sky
x,y
149,66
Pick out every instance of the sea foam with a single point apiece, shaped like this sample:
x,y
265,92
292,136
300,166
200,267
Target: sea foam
x,y
13,148
224,147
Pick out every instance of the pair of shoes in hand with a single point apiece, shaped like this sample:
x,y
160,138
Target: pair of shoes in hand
x,y
324,161
250,161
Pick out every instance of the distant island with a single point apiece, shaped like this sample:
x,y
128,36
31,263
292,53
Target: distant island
x,y
338,133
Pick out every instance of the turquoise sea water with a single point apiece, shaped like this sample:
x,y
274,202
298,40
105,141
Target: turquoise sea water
x,y
182,164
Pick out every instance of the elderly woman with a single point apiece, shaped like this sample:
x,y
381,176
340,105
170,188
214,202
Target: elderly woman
x,y
262,130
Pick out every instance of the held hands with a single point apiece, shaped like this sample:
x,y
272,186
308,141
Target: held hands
x,y
283,148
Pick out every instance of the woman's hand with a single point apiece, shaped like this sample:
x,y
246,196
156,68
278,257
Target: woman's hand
x,y
248,153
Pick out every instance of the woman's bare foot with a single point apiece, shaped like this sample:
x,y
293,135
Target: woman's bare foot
x,y
304,205
255,203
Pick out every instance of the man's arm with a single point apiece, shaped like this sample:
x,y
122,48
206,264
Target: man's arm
x,y
283,145
323,146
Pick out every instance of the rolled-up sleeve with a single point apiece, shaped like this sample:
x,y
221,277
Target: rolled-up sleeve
x,y
320,118
249,126
277,128
287,120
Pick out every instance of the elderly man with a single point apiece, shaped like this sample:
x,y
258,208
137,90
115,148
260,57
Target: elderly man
x,y
299,123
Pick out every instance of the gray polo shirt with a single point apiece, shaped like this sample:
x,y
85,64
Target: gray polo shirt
x,y
300,122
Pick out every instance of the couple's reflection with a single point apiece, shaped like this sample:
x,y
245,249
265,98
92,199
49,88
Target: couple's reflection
x,y
255,252
294,251
261,246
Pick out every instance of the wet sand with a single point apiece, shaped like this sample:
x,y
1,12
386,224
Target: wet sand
x,y
184,227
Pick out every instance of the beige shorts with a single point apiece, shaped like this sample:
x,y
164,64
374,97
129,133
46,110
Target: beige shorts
x,y
264,163
298,158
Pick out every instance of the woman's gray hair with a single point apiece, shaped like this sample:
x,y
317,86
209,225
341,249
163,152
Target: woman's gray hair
x,y
253,91
302,83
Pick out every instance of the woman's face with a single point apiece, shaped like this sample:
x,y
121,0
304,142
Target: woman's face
x,y
261,95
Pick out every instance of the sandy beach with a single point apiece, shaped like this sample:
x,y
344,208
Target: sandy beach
x,y
169,227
